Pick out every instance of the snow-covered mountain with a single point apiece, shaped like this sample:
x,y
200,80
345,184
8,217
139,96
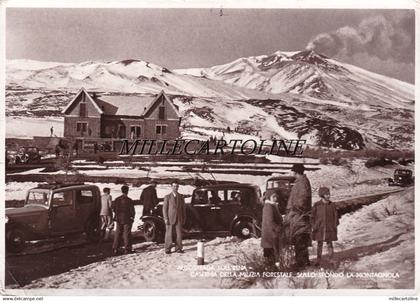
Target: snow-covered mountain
x,y
285,95
312,74
128,76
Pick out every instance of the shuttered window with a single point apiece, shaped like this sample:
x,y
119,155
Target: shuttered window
x,y
161,112
82,109
81,127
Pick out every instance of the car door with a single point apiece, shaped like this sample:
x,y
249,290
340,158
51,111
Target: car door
x,y
215,222
199,213
231,206
85,198
63,217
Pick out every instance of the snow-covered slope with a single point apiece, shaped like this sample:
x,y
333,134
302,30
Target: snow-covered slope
x,y
284,95
312,74
128,76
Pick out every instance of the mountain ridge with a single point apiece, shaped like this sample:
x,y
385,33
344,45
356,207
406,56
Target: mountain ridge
x,y
298,94
309,73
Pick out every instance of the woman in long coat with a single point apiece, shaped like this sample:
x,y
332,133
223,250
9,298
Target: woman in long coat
x,y
272,228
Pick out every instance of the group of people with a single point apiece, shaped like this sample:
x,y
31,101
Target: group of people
x,y
121,210
301,224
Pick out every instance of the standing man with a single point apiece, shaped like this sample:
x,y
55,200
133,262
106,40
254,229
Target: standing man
x,y
123,208
52,131
107,224
174,216
298,216
148,198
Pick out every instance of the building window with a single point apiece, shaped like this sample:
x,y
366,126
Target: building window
x,y
135,131
82,109
161,112
161,129
121,131
81,127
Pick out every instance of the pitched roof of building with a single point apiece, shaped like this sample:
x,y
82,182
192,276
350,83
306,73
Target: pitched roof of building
x,y
124,105
152,104
82,90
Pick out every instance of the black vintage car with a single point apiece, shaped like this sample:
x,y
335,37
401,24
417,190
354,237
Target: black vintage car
x,y
402,177
221,210
28,155
282,185
53,210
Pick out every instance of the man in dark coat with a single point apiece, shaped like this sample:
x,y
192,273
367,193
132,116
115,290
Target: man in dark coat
x,y
324,220
123,208
271,228
298,216
174,213
148,198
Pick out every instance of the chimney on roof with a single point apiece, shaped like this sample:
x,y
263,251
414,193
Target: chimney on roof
x,y
94,95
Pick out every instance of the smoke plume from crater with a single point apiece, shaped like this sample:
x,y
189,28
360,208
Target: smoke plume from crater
x,y
382,44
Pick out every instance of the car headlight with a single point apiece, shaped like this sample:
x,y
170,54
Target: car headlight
x,y
6,220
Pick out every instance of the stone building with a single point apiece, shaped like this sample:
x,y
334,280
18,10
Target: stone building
x,y
92,118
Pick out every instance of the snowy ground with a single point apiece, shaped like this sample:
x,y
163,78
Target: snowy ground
x,y
17,127
344,181
366,245
377,238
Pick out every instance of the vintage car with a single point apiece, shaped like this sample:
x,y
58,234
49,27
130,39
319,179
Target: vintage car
x,y
282,186
402,177
27,155
221,210
52,210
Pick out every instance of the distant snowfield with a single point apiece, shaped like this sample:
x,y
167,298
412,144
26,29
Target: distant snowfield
x,y
27,127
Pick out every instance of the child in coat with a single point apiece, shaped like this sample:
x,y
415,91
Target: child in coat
x,y
272,228
324,221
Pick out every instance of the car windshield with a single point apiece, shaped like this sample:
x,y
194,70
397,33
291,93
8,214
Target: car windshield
x,y
37,197
278,184
272,184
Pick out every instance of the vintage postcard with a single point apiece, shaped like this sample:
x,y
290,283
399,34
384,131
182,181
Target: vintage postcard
x,y
216,148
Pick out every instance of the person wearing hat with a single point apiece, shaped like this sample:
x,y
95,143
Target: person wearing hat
x,y
324,220
272,228
297,218
124,213
148,198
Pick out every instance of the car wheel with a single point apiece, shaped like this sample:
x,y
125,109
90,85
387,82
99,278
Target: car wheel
x,y
15,240
244,229
92,230
151,231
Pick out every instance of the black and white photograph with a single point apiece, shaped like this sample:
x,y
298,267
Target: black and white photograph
x,y
217,148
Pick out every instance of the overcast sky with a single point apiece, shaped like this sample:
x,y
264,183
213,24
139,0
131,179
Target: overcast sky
x,y
378,40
